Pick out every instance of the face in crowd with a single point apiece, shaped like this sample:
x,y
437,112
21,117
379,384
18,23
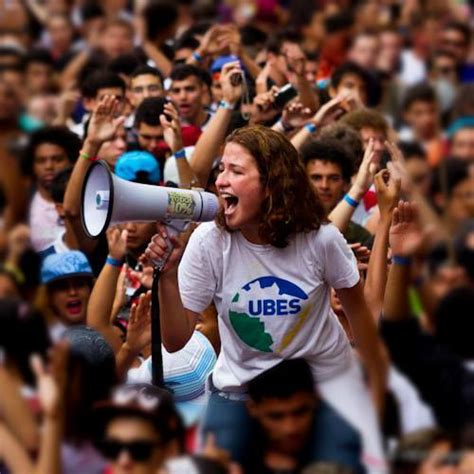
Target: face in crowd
x,y
187,95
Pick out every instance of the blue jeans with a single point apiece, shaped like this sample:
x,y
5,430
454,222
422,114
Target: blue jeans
x,y
332,438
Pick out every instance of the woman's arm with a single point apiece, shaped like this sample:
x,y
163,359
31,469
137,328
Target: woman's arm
x,y
101,301
177,323
367,341
13,454
388,192
210,142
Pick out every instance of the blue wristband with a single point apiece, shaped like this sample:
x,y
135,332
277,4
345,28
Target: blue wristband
x,y
196,56
400,260
114,262
310,127
226,105
350,201
180,154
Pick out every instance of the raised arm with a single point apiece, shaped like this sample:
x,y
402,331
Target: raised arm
x,y
209,143
99,309
102,127
388,193
174,139
341,215
405,237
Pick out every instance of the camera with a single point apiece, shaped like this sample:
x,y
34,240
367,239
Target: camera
x,y
284,95
237,78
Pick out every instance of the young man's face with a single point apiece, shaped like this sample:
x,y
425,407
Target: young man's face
x,y
453,41
327,181
38,77
139,235
364,51
419,171
462,144
461,204
69,298
117,40
379,138
48,161
445,67
187,95
286,423
136,444
352,83
146,85
150,138
423,118
117,92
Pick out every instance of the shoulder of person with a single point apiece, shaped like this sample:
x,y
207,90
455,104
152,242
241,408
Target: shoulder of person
x,y
207,232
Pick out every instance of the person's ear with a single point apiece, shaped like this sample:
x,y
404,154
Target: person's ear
x,y
89,104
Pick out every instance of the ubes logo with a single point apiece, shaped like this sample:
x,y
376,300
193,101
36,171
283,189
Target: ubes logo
x,y
262,307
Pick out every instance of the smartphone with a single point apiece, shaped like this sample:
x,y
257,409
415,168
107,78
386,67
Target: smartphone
x,y
284,95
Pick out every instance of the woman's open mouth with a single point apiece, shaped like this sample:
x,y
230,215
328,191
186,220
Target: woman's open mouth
x,y
230,203
74,306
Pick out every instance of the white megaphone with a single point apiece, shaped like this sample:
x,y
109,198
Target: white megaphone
x,y
108,200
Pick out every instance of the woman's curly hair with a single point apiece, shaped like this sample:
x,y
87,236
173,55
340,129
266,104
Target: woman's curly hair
x,y
292,205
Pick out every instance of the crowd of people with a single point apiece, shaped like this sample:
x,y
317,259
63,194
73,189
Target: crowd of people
x,y
321,323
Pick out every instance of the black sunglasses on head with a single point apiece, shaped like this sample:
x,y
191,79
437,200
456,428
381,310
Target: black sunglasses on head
x,y
139,451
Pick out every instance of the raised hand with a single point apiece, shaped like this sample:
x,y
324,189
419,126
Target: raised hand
x,y
169,120
330,111
105,121
51,383
406,236
117,242
398,166
366,173
210,43
139,324
231,92
387,187
295,114
145,277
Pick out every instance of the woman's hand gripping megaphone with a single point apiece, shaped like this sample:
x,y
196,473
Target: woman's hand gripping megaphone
x,y
165,248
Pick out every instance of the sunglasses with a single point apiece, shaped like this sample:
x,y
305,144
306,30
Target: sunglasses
x,y
139,451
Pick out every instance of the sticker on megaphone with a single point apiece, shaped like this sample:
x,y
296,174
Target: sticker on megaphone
x,y
180,205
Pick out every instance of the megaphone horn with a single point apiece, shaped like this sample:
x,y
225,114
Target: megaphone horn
x,y
109,200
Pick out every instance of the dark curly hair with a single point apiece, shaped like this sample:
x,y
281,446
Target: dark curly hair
x,y
291,206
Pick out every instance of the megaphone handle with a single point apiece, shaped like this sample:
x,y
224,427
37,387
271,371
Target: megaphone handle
x,y
157,377
173,227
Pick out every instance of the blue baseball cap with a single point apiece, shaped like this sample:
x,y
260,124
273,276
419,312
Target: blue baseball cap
x,y
131,163
65,265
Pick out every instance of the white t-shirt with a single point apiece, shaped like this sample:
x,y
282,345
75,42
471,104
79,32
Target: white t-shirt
x,y
44,223
273,304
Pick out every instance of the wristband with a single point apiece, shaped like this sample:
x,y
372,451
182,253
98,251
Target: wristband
x,y
226,105
196,56
180,154
401,260
350,201
86,156
114,262
310,127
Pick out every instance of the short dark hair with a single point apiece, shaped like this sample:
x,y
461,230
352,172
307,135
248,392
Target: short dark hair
x,y
347,137
101,80
328,150
452,171
276,41
56,135
186,42
183,71
282,381
159,16
39,55
439,53
144,69
412,150
149,111
365,118
91,10
59,184
349,68
418,93
124,64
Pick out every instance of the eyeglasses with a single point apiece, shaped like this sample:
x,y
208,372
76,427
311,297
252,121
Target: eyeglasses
x,y
139,450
